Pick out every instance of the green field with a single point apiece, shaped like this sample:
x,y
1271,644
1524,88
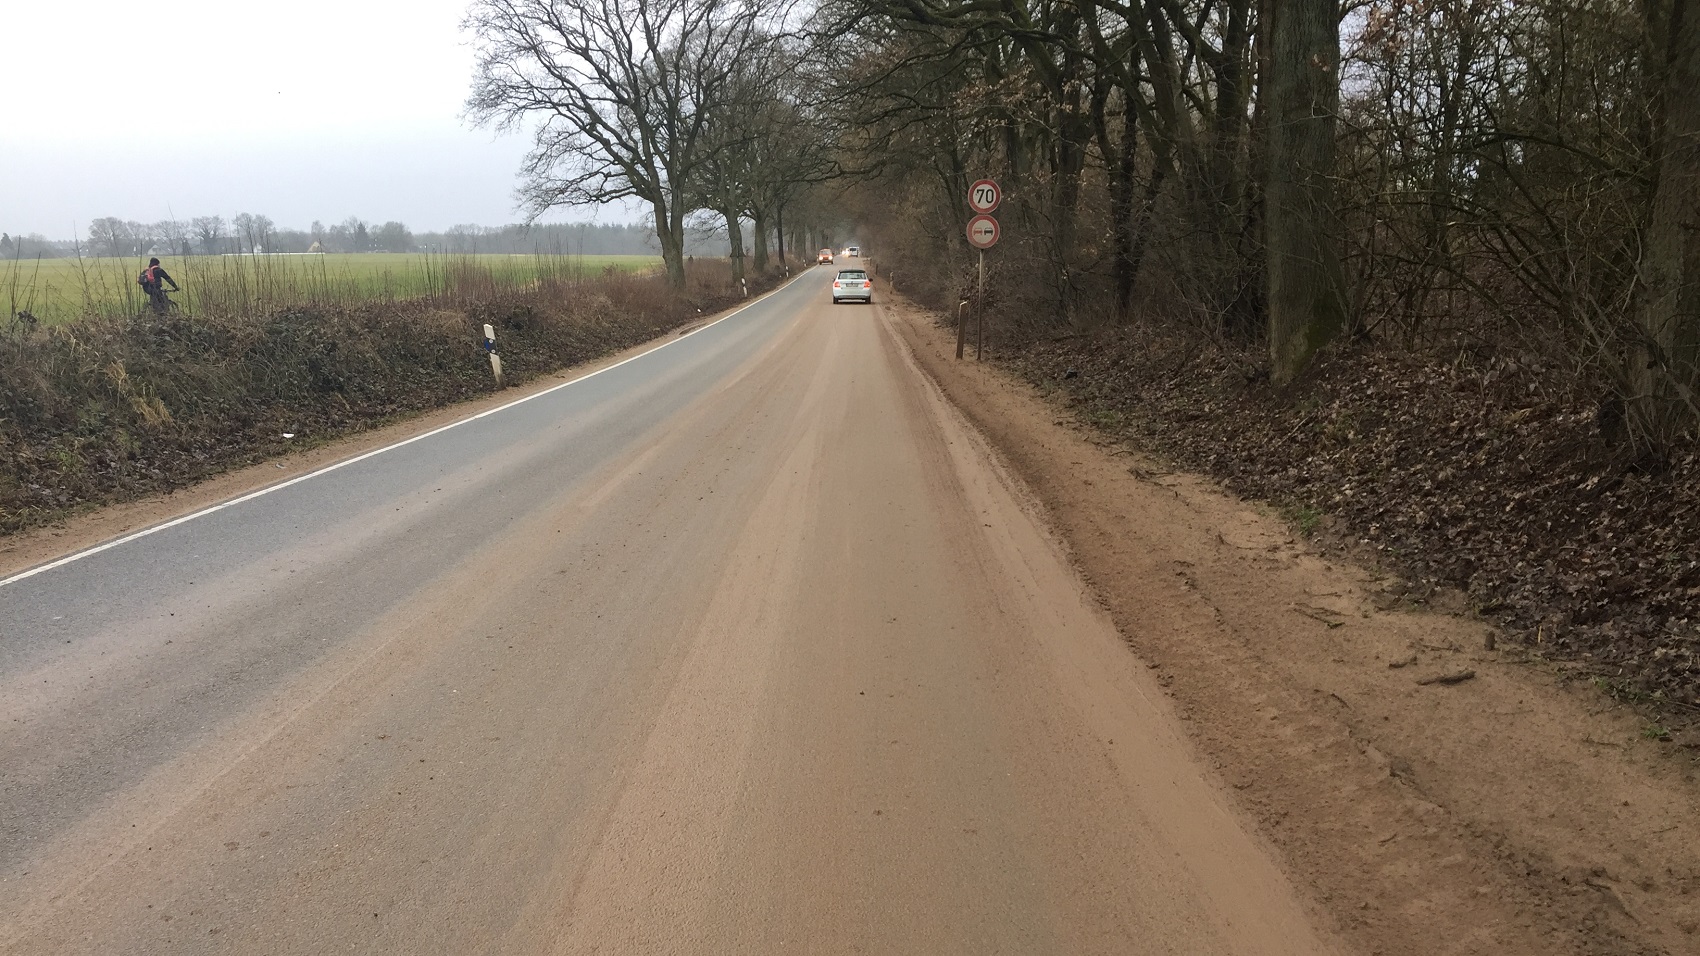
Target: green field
x,y
61,290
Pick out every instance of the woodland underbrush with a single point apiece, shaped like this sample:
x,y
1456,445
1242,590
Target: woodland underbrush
x,y
1460,469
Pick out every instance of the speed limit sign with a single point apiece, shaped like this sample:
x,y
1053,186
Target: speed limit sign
x,y
982,232
984,196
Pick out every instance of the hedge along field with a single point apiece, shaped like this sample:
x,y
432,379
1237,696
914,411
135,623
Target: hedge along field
x,y
61,290
100,410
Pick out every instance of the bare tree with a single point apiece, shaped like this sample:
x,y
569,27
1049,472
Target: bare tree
x,y
110,236
143,237
1664,367
798,144
209,233
620,92
744,151
243,224
393,237
265,232
1307,289
176,235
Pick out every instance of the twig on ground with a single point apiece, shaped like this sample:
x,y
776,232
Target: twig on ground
x,y
1317,617
1455,677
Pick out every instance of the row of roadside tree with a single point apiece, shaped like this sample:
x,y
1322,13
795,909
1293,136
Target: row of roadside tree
x,y
1518,178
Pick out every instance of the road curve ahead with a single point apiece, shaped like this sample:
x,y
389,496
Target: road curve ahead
x,y
744,646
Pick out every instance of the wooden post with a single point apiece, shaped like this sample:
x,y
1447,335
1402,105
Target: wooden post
x,y
980,311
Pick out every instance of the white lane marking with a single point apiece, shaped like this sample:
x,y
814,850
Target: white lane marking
x,y
155,529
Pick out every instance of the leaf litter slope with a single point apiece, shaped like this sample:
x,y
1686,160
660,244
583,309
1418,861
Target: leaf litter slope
x,y
1474,476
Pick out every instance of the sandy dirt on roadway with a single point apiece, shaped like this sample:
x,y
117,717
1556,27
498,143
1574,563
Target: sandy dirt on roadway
x,y
801,670
1503,814
809,670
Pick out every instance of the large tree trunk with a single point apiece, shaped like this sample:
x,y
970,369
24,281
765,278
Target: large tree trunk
x,y
1225,185
760,242
1141,229
1121,212
1307,301
735,242
1073,136
670,232
1120,153
1664,366
1247,314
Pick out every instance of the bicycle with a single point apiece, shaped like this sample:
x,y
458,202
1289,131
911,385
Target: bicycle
x,y
159,303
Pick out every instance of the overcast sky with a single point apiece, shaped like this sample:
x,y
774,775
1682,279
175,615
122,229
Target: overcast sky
x,y
313,109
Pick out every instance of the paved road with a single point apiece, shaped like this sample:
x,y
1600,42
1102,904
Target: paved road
x,y
743,646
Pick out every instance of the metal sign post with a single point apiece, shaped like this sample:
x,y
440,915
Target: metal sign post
x,y
980,312
983,233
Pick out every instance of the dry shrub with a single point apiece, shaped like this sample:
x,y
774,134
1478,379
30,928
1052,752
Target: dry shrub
x,y
103,409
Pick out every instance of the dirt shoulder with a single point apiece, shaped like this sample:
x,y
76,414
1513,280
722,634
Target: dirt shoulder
x,y
1501,813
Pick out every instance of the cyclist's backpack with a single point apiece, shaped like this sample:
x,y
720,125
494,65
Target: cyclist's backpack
x,y
147,279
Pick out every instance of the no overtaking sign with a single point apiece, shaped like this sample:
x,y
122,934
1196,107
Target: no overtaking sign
x,y
983,232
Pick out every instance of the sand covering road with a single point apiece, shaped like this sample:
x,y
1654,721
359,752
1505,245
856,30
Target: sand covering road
x,y
798,671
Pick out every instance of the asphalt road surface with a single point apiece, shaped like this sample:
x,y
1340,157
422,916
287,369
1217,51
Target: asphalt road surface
x,y
743,646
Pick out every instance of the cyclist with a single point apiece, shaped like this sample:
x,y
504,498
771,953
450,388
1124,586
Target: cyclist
x,y
152,280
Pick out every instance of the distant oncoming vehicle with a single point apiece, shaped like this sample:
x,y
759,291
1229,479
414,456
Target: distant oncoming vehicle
x,y
825,257
852,284
853,251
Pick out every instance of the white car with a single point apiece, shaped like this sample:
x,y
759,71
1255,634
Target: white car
x,y
854,252
852,284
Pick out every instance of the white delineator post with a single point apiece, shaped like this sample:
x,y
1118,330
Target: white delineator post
x,y
490,346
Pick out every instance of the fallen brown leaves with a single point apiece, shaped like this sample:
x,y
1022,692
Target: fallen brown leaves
x,y
1471,474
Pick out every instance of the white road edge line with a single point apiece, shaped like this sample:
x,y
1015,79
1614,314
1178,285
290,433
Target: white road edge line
x,y
250,496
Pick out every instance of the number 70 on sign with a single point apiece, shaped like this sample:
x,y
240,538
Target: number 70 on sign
x,y
984,196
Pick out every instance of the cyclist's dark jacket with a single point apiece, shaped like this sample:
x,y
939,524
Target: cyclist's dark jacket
x,y
159,276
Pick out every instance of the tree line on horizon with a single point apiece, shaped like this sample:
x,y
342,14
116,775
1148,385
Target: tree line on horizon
x,y
246,233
